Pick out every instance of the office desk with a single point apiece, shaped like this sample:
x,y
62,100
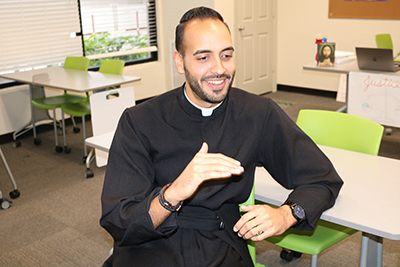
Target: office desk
x,y
369,199
70,80
374,95
63,79
343,68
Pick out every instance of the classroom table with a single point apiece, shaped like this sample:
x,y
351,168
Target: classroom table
x,y
370,94
368,200
343,68
63,79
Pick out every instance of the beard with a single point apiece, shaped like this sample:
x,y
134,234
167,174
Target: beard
x,y
197,87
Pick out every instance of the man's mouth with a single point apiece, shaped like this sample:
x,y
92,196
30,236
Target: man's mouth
x,y
216,83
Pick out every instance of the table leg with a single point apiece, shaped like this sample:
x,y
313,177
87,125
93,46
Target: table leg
x,y
371,250
40,114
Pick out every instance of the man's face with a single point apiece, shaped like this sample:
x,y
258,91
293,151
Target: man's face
x,y
208,65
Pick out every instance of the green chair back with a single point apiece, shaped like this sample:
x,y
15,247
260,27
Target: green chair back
x,y
384,41
76,63
341,130
112,66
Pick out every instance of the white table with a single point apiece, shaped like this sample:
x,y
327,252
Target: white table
x,y
368,94
63,79
368,202
343,68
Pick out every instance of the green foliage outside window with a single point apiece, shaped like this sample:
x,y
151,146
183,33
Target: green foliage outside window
x,y
101,43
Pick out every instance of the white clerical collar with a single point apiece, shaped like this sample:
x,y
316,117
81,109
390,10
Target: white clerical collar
x,y
206,112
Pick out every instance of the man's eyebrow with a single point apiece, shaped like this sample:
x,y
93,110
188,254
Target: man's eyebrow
x,y
229,48
201,52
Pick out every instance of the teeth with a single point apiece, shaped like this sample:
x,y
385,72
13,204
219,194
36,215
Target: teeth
x,y
216,82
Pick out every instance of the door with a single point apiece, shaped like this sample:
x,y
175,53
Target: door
x,y
255,45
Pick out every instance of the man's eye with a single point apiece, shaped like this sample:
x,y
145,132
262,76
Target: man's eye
x,y
226,56
202,58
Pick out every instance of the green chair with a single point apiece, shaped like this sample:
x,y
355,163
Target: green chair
x,y
53,102
251,244
384,40
338,130
82,108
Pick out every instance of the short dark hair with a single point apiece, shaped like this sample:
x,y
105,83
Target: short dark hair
x,y
199,13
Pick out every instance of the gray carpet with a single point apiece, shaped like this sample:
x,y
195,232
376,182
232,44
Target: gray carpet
x,y
55,220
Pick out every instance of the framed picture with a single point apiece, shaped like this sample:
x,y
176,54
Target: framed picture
x,y
326,54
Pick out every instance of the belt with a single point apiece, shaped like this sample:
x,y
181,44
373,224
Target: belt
x,y
199,218
222,219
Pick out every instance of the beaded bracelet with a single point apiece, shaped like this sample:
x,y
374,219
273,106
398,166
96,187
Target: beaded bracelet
x,y
165,203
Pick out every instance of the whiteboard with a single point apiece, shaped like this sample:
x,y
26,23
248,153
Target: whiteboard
x,y
375,97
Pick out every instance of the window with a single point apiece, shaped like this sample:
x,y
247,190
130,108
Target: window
x,y
123,29
37,33
42,33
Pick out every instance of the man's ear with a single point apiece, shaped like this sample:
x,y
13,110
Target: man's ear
x,y
178,58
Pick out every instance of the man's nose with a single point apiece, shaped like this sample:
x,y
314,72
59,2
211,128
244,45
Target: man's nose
x,y
218,66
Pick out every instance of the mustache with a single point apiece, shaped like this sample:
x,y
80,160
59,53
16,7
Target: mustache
x,y
215,76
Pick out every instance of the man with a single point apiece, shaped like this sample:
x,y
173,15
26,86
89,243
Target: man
x,y
181,162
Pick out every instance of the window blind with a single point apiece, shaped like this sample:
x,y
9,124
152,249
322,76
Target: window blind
x,y
36,33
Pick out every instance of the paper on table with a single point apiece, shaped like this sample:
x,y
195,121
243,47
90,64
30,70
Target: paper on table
x,y
342,57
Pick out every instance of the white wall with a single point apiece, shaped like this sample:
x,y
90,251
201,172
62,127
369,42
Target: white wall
x,y
300,21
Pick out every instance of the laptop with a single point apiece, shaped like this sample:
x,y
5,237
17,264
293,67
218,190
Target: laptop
x,y
380,59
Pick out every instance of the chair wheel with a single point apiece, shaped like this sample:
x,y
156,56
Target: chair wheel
x,y
4,204
17,144
77,129
287,255
297,254
14,194
59,149
89,174
67,150
37,141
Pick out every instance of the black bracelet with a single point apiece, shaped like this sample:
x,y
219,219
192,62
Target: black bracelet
x,y
165,203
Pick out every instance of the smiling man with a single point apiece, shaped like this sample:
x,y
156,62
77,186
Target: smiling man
x,y
180,164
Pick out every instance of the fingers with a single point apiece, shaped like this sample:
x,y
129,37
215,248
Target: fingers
x,y
204,166
250,224
260,222
214,165
204,148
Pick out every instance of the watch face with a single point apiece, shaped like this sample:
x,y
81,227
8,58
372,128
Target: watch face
x,y
299,212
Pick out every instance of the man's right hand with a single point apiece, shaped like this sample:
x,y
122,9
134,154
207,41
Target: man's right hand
x,y
204,166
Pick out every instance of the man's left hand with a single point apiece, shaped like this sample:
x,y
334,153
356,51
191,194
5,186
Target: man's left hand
x,y
262,221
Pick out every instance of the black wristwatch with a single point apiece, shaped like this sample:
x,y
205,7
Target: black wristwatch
x,y
297,211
